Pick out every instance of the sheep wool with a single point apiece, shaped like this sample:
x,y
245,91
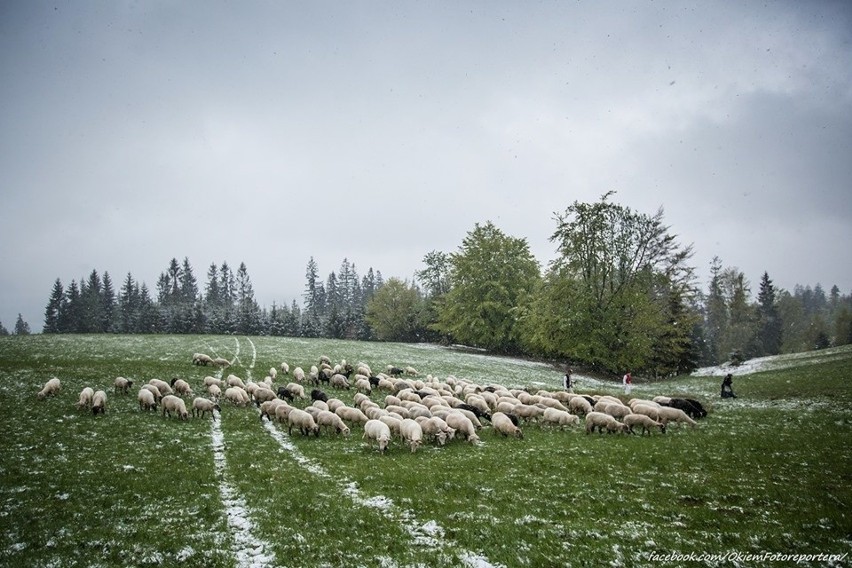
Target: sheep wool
x,y
50,388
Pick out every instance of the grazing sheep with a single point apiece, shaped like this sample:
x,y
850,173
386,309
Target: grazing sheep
x,y
462,424
282,412
267,409
378,431
600,421
646,422
85,398
297,390
214,391
202,359
616,410
363,385
214,381
339,381
203,406
662,400
235,381
299,375
333,403
352,415
558,417
262,395
668,414
503,425
580,405
273,372
303,421
50,388
411,371
320,404
690,406
411,434
122,385
329,419
237,396
652,412
221,362
393,422
162,386
146,400
285,368
317,394
435,428
181,387
154,391
528,412
172,403
99,403
284,393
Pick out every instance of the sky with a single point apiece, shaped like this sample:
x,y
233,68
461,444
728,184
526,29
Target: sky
x,y
268,133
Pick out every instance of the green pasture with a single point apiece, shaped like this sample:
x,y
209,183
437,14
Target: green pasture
x,y
767,473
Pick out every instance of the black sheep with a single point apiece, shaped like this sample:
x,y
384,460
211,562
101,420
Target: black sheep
x,y
374,381
395,371
284,393
317,394
691,407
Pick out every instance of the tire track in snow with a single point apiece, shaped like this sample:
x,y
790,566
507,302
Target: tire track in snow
x,y
429,534
249,551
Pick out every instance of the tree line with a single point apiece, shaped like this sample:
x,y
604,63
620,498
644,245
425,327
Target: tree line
x,y
620,295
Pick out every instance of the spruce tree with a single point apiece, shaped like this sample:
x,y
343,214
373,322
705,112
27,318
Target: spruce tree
x,y
53,310
21,327
128,306
3,331
108,305
771,326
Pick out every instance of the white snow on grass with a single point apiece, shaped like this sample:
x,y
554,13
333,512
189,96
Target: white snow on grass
x,y
429,534
249,551
773,363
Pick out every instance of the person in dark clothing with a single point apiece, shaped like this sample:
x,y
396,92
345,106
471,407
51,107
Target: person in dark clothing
x,y
727,388
566,380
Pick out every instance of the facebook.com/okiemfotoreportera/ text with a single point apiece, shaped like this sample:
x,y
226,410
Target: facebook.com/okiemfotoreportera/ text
x,y
740,557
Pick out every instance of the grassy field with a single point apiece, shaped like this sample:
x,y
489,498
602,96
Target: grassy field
x,y
768,473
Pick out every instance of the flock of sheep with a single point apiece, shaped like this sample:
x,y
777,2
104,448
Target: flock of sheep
x,y
412,411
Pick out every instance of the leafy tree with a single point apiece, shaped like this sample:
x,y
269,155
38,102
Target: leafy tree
x,y
491,275
54,306
435,278
21,327
392,312
607,300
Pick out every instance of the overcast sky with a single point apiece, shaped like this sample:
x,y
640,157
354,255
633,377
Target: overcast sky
x,y
270,132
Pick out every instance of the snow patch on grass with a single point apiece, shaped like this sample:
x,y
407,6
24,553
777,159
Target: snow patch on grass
x,y
250,552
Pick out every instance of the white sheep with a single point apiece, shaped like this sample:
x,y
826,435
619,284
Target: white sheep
x,y
172,403
339,381
351,415
411,371
378,431
202,359
50,388
435,428
146,400
616,410
154,391
600,421
328,419
99,402
85,398
214,391
235,381
282,412
267,409
303,421
298,375
669,414
214,381
411,434
528,412
646,422
221,362
202,405
262,394
122,385
181,387
558,417
237,396
297,390
273,372
393,422
579,404
162,386
462,424
285,368
503,424
363,385
652,412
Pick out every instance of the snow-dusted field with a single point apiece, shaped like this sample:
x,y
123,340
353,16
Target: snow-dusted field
x,y
765,473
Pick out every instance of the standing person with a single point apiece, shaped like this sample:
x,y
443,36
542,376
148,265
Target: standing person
x,y
727,387
627,381
566,380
